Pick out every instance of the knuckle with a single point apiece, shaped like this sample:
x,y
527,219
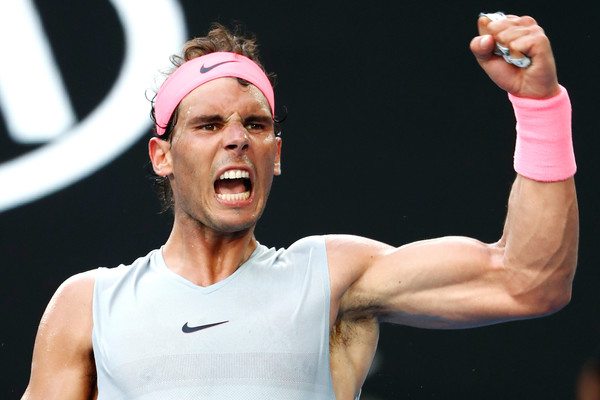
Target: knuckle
x,y
527,20
503,37
539,35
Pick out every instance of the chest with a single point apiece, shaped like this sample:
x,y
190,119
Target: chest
x,y
157,318
259,331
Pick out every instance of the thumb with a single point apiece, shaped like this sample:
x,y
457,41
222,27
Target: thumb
x,y
482,47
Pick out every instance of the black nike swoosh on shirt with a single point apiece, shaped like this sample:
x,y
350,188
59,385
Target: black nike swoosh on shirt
x,y
204,69
190,329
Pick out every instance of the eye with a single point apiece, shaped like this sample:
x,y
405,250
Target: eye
x,y
209,127
259,127
253,126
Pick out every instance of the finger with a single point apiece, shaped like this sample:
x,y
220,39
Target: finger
x,y
488,21
522,40
530,45
507,24
482,25
510,22
525,20
508,39
482,47
506,29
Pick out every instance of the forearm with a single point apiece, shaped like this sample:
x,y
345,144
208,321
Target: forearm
x,y
541,232
457,282
540,241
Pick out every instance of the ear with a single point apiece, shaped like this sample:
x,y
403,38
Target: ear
x,y
160,156
277,166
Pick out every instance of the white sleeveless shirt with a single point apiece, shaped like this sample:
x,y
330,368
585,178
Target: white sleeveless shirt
x,y
260,334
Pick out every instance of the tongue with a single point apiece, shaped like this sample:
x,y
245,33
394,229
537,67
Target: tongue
x,y
230,186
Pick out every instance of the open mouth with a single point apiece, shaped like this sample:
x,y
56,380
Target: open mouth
x,y
234,185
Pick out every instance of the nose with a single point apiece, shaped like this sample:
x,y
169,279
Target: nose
x,y
236,137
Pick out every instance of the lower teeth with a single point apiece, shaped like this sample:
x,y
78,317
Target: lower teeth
x,y
236,196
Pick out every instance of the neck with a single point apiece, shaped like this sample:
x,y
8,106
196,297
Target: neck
x,y
205,257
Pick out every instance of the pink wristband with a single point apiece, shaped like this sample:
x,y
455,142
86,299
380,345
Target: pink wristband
x,y
544,149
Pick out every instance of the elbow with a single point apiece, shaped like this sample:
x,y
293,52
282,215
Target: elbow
x,y
548,300
542,306
545,290
555,303
557,294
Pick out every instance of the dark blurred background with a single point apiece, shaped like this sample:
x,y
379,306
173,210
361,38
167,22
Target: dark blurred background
x,y
393,132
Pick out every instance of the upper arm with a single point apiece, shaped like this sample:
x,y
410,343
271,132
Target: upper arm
x,y
441,283
462,282
63,363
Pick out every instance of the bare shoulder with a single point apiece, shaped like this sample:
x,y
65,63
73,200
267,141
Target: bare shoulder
x,y
349,257
81,284
76,287
63,362
70,308
71,305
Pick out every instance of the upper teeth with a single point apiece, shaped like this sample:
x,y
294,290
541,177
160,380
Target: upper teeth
x,y
234,174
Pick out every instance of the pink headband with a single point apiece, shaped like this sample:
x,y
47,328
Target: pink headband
x,y
203,69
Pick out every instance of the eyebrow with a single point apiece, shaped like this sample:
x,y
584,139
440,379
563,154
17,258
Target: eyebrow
x,y
259,118
204,119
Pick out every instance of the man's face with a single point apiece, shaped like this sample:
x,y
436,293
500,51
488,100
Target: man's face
x,y
223,156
